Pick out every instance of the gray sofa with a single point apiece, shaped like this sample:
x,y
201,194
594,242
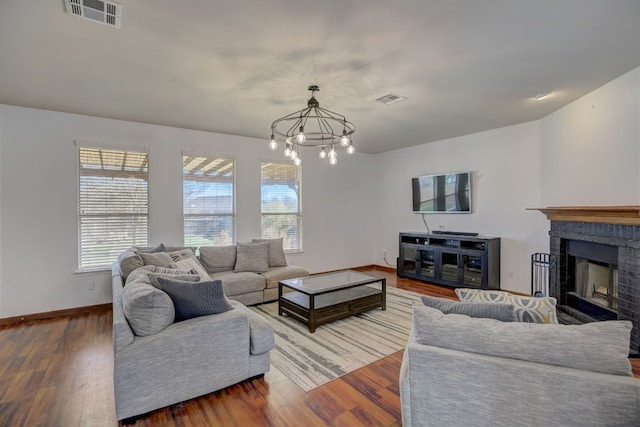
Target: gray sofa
x,y
186,359
461,371
159,362
249,273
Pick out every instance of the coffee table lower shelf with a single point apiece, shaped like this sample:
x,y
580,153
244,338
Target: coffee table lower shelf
x,y
330,306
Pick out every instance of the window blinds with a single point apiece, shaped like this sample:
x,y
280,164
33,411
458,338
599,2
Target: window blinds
x,y
113,204
208,200
280,203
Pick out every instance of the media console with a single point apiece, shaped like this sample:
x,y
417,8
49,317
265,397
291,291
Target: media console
x,y
456,260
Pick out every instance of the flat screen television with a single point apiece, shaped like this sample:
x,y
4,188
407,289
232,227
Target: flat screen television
x,y
445,193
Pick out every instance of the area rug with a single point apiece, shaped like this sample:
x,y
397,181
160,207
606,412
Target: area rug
x,y
337,348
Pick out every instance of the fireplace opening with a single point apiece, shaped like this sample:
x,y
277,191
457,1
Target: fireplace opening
x,y
592,282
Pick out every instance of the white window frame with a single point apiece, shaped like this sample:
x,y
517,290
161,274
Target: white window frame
x,y
211,164
288,246
134,162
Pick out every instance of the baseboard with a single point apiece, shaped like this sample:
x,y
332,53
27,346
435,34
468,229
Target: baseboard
x,y
101,308
67,312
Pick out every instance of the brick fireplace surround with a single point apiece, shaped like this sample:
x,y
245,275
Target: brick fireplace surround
x,y
617,226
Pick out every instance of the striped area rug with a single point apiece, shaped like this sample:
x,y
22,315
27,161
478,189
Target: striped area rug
x,y
337,348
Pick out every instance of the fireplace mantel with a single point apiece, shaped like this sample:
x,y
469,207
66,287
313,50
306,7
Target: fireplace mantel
x,y
625,215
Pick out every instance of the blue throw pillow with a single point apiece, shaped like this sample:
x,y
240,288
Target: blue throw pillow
x,y
498,311
193,299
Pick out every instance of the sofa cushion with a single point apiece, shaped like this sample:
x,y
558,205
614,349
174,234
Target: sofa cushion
x,y
159,259
147,309
528,309
239,283
498,311
142,273
128,261
194,299
218,258
597,347
275,274
252,257
191,264
260,330
276,252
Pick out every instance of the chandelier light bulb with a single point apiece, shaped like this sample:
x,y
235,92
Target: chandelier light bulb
x,y
300,137
351,149
344,139
333,161
273,145
297,161
293,155
323,153
332,153
287,150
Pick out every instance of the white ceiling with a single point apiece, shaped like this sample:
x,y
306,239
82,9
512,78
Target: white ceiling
x,y
233,67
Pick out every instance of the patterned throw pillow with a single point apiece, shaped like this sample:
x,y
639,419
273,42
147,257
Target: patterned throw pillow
x,y
528,309
191,264
181,254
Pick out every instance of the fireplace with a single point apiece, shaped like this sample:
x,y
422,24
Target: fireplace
x,y
597,268
591,283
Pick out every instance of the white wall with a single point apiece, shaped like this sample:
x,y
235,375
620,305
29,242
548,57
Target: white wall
x,y
591,148
38,195
505,166
585,153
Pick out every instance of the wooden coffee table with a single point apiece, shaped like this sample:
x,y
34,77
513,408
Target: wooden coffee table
x,y
323,298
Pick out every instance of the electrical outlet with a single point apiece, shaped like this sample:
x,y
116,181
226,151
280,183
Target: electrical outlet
x,y
441,227
92,286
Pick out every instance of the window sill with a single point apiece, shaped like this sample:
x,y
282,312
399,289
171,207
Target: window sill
x,y
294,251
93,270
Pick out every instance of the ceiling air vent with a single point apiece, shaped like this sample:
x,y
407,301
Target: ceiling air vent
x,y
391,98
103,12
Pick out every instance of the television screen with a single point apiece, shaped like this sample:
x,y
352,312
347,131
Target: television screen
x,y
446,193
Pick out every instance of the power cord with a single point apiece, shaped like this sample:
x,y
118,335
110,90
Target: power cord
x,y
425,224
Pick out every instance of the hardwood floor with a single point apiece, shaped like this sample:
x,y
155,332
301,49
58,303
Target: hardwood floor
x,y
58,372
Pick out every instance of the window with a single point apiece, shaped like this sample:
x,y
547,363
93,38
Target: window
x,y
113,204
208,201
281,205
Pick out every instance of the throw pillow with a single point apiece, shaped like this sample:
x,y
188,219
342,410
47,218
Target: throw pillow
x,y
142,273
129,261
252,257
191,264
597,347
159,248
181,254
528,309
218,258
276,252
147,309
153,277
159,259
498,311
193,299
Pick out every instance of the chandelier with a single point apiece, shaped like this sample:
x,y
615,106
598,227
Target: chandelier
x,y
313,127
